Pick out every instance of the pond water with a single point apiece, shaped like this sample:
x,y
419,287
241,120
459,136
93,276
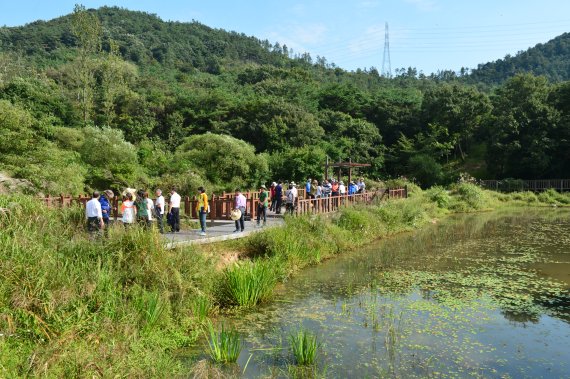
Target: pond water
x,y
484,295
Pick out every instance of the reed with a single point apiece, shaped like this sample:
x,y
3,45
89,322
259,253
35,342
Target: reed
x,y
224,345
248,283
304,346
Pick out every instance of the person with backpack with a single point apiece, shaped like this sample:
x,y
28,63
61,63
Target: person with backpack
x,y
202,208
106,208
262,205
141,205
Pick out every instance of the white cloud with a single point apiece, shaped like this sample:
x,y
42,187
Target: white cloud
x,y
423,5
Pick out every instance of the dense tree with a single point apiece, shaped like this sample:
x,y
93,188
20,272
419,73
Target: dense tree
x,y
521,129
111,97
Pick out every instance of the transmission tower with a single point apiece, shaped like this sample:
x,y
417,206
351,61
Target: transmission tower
x,y
386,64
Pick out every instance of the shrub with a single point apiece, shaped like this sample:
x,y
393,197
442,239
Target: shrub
x,y
470,196
440,196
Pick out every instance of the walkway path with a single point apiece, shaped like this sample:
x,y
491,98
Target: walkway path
x,y
219,231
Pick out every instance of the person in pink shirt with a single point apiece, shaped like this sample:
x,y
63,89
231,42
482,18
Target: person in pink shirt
x,y
240,203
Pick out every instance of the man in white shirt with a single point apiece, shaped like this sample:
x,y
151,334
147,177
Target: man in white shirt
x,y
159,210
341,188
295,194
175,210
93,214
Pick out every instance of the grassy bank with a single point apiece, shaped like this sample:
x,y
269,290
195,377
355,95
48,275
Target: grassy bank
x,y
124,306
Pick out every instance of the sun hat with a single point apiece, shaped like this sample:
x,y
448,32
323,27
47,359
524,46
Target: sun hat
x,y
263,186
293,183
235,214
109,194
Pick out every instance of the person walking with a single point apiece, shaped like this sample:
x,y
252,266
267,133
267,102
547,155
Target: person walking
x,y
106,207
159,210
240,203
278,197
202,209
174,209
94,214
308,189
272,197
142,208
149,208
262,205
128,210
289,200
295,193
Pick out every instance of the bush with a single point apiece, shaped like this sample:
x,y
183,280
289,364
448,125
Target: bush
x,y
440,196
470,197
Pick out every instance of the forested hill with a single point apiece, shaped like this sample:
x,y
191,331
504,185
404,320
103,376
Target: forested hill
x,y
551,59
110,98
144,38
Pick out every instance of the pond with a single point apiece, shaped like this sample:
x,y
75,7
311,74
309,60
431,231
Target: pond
x,y
480,295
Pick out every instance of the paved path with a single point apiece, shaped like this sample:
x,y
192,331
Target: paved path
x,y
218,231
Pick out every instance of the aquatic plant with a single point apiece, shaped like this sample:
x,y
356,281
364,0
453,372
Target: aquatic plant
x,y
224,344
304,346
201,307
247,283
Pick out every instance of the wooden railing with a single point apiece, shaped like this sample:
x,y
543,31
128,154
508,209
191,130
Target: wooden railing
x,y
511,185
222,205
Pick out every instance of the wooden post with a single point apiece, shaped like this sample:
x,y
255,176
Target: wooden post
x,y
187,208
349,171
212,205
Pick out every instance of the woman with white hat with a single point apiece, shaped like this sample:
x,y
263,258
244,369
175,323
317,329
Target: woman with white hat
x,y
239,211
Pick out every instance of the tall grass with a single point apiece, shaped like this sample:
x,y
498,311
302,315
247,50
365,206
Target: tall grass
x,y
224,344
71,307
304,346
247,283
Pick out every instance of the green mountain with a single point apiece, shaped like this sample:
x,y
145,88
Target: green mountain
x,y
145,38
113,98
550,59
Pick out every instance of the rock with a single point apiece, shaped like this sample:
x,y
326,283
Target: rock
x,y
9,184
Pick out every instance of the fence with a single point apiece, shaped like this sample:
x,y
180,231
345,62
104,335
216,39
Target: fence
x,y
222,205
511,185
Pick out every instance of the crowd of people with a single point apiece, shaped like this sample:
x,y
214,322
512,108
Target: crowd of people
x,y
138,208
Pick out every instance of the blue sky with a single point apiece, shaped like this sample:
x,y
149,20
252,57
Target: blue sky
x,y
426,34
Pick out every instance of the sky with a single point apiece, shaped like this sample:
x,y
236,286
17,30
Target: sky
x,y
429,35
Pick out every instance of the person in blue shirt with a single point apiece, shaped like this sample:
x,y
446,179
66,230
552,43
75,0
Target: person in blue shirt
x,y
106,207
352,188
308,189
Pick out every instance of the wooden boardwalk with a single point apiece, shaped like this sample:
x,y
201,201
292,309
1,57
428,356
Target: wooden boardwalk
x,y
222,205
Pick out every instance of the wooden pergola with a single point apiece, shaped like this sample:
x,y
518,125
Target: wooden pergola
x,y
343,165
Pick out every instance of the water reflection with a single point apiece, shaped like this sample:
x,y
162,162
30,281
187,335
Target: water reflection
x,y
477,295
